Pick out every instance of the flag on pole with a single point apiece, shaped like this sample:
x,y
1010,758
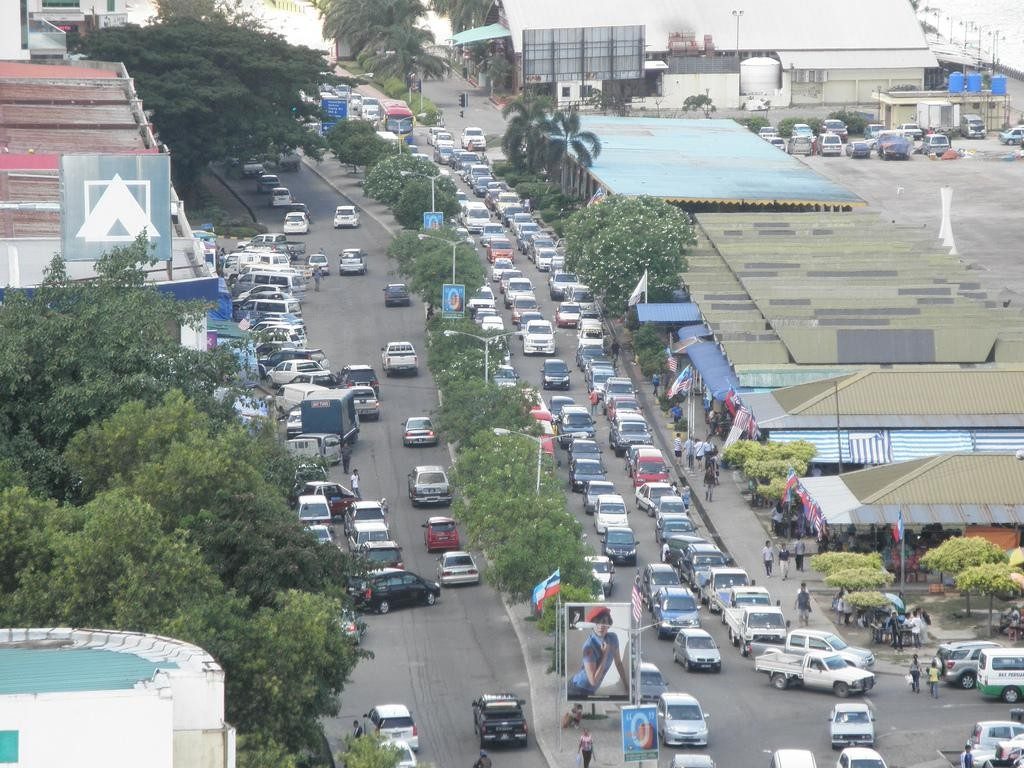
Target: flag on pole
x,y
682,383
640,292
897,530
598,196
551,586
791,481
672,364
638,604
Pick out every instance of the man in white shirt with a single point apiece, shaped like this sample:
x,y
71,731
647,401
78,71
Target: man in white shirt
x,y
768,557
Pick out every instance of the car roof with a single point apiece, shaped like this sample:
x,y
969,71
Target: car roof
x,y
358,367
860,752
369,525
676,591
430,468
597,558
620,528
451,552
610,497
310,498
570,409
393,710
679,698
694,632
367,504
440,519
381,545
660,567
852,706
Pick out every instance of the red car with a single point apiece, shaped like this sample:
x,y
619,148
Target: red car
x,y
440,533
500,247
568,315
339,498
647,465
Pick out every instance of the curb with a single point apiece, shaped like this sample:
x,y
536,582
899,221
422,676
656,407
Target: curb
x,y
390,228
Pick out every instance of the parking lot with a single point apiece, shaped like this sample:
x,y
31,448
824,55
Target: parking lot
x,y
987,226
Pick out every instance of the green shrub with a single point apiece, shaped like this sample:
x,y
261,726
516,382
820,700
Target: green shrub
x,y
856,123
785,126
754,124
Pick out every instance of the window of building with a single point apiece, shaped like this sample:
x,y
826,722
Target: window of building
x,y
60,4
810,76
586,91
566,91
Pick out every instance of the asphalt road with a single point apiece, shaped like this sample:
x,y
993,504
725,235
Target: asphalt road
x,y
436,660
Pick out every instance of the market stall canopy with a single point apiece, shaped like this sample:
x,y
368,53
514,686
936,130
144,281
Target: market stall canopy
x,y
479,34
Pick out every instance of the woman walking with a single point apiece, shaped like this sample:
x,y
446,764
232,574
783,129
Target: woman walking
x,y
586,748
933,679
915,675
710,478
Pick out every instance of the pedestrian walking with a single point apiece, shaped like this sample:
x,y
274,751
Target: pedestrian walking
x,y
483,761
848,612
838,605
594,398
316,279
677,446
933,678
768,557
966,758
357,729
615,350
655,383
914,622
686,498
710,479
709,449
777,519
784,560
915,675
346,456
353,482
699,453
803,604
586,748
799,550
689,449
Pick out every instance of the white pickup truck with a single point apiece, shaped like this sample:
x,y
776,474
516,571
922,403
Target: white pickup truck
x,y
755,623
816,669
716,590
399,357
801,641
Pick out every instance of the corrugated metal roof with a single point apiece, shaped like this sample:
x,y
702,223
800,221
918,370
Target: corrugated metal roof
x,y
703,161
678,312
713,367
781,25
50,670
916,58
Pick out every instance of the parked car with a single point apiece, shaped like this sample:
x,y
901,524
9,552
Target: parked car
x,y
353,261
583,471
619,545
860,757
830,145
611,512
457,567
1013,135
359,374
654,578
673,609
440,533
851,724
554,374
958,661
933,144
837,127
574,422
594,490
858,150
652,682
394,721
295,224
429,484
912,131
603,571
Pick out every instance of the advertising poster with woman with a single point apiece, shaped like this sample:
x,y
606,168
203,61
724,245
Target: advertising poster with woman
x,y
597,652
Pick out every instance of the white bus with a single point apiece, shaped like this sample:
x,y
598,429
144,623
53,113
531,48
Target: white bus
x,y
391,138
1001,674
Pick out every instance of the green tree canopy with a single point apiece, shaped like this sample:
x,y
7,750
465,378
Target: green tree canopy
x,y
457,357
859,579
566,138
216,89
355,143
866,599
959,553
417,197
426,261
471,406
833,562
611,244
700,103
992,579
370,751
386,180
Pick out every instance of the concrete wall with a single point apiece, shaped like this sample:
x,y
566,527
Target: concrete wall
x,y
724,90
845,86
116,729
204,749
569,93
198,695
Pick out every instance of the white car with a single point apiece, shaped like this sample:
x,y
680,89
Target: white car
x,y
500,267
322,533
611,513
492,323
538,338
473,139
346,216
457,567
284,372
295,224
394,721
830,144
647,495
482,299
406,757
319,260
603,571
859,757
681,720
851,724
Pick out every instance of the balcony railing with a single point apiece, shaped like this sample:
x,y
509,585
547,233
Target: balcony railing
x,y
45,38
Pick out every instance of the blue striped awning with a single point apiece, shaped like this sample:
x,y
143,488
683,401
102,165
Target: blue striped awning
x,y
678,312
903,444
714,368
910,444
1001,440
693,332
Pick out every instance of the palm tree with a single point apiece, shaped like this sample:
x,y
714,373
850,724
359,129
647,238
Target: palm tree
x,y
463,14
525,137
565,139
385,30
401,49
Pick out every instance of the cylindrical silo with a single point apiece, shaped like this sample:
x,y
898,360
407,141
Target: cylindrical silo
x,y
759,75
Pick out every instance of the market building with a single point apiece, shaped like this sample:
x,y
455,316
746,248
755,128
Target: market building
x,y
113,699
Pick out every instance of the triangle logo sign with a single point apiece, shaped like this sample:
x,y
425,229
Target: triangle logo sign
x,y
117,215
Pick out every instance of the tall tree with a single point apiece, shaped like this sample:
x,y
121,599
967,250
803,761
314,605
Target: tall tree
x,y
215,89
463,14
402,49
567,139
355,143
527,131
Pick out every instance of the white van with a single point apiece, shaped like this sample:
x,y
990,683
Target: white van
x,y
315,444
261,259
590,329
1001,673
280,197
288,282
792,758
475,216
257,307
292,395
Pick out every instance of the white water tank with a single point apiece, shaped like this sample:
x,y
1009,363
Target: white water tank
x,y
759,75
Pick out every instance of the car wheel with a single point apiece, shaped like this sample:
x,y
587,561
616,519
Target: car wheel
x,y
384,607
842,690
779,681
431,598
1011,695
689,667
967,680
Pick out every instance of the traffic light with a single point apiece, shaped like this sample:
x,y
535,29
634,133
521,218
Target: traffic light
x,y
463,99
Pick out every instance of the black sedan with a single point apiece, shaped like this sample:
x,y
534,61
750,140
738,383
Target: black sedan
x,y
582,471
859,150
389,588
396,295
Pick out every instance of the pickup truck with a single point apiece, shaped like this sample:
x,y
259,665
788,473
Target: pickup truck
x,y
751,624
802,641
714,592
737,597
817,669
399,357
498,718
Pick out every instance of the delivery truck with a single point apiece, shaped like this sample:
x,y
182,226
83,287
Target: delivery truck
x,y
938,117
333,412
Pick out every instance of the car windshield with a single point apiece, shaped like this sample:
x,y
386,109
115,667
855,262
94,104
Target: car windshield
x,y
726,580
681,603
702,643
589,466
832,662
678,526
500,243
613,508
866,762
708,560
601,566
772,621
431,477
652,466
576,420
602,375
651,677
558,367
443,527
596,489
389,723
619,537
683,712
836,642
669,506
664,577
368,513
383,555
458,560
620,387
419,424
634,428
852,717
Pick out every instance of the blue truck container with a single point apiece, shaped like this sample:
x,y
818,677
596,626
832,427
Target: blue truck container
x,y
332,413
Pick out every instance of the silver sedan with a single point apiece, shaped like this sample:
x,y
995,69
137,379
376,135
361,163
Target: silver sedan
x,y
457,567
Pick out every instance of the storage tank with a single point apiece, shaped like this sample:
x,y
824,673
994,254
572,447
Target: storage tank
x,y
956,82
974,82
998,85
759,75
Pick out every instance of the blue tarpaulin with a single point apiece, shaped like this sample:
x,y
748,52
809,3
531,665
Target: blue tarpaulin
x,y
713,368
692,331
668,313
223,309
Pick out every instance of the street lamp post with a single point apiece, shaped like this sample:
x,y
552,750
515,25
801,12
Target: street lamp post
x,y
454,246
432,179
487,346
540,449
738,14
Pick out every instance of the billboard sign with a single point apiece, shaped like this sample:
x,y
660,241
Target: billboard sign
x,y
335,110
453,301
640,733
109,200
433,219
597,652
